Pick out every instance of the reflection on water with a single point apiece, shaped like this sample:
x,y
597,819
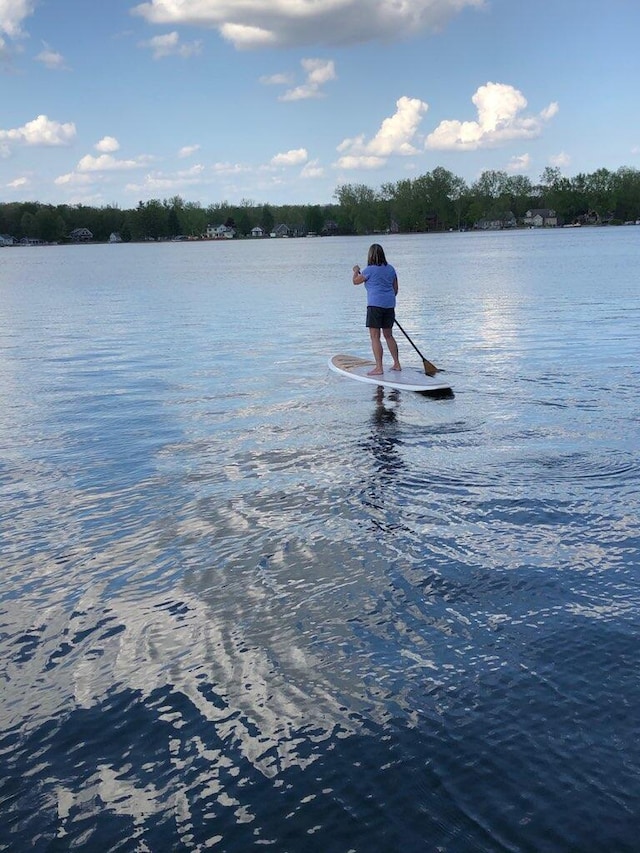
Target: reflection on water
x,y
247,602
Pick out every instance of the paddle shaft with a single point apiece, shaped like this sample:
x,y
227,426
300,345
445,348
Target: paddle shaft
x,y
429,369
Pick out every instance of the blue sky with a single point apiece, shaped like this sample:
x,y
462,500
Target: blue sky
x,y
281,101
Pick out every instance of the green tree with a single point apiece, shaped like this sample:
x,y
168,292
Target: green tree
x,y
314,220
267,219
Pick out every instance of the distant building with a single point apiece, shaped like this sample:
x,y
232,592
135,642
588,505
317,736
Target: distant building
x,y
330,228
220,232
281,230
257,231
497,222
6,240
115,237
80,235
542,217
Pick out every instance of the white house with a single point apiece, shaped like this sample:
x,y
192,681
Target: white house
x,y
541,217
115,237
219,232
6,240
257,231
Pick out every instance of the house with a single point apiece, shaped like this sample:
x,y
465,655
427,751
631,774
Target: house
x,y
281,230
220,232
542,217
330,228
115,237
80,235
257,231
6,240
496,222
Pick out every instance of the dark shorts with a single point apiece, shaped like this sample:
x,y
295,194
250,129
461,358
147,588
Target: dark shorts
x,y
380,318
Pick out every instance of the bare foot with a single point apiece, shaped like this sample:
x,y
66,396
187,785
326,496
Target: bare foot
x,y
396,367
375,372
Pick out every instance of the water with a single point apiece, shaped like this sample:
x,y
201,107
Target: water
x,y
248,603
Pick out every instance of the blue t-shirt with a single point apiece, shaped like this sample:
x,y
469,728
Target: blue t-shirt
x,y
379,285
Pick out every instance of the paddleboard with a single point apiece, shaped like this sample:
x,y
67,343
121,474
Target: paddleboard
x,y
407,379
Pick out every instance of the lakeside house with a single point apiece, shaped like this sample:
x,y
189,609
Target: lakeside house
x,y
6,240
258,231
541,217
80,235
497,222
220,232
281,230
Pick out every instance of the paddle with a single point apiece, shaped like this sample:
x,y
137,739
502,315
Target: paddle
x,y
429,369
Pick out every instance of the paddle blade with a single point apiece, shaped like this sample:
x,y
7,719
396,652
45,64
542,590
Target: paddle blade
x,y
429,369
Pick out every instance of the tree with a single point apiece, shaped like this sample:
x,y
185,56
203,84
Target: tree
x,y
314,220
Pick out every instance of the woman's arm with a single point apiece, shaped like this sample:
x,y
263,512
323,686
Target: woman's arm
x,y
358,278
395,285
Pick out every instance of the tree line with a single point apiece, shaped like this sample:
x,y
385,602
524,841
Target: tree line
x,y
435,201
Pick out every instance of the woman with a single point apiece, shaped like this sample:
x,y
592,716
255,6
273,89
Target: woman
x,y
381,283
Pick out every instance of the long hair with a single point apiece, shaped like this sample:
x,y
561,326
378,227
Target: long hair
x,y
376,256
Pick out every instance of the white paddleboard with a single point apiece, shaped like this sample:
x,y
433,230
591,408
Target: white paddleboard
x,y
407,379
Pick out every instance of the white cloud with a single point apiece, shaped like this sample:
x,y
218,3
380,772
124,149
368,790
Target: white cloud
x,y
519,164
312,169
107,145
53,60
187,151
108,163
560,160
74,179
162,182
12,15
319,72
40,131
170,45
295,157
395,136
230,168
277,80
19,183
500,120
278,23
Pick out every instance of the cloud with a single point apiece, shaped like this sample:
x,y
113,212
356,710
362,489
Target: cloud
x,y
319,72
499,108
40,131
12,15
74,179
519,164
162,182
187,151
107,145
169,45
108,163
19,183
312,169
53,60
294,23
277,80
295,157
560,160
395,136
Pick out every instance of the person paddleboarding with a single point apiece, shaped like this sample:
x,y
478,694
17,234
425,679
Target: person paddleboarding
x,y
381,283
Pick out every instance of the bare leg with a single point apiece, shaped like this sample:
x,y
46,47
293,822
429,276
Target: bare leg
x,y
393,348
376,346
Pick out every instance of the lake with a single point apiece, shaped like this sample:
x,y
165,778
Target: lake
x,y
248,603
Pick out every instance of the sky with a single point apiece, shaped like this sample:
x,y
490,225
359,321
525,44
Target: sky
x,y
112,102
